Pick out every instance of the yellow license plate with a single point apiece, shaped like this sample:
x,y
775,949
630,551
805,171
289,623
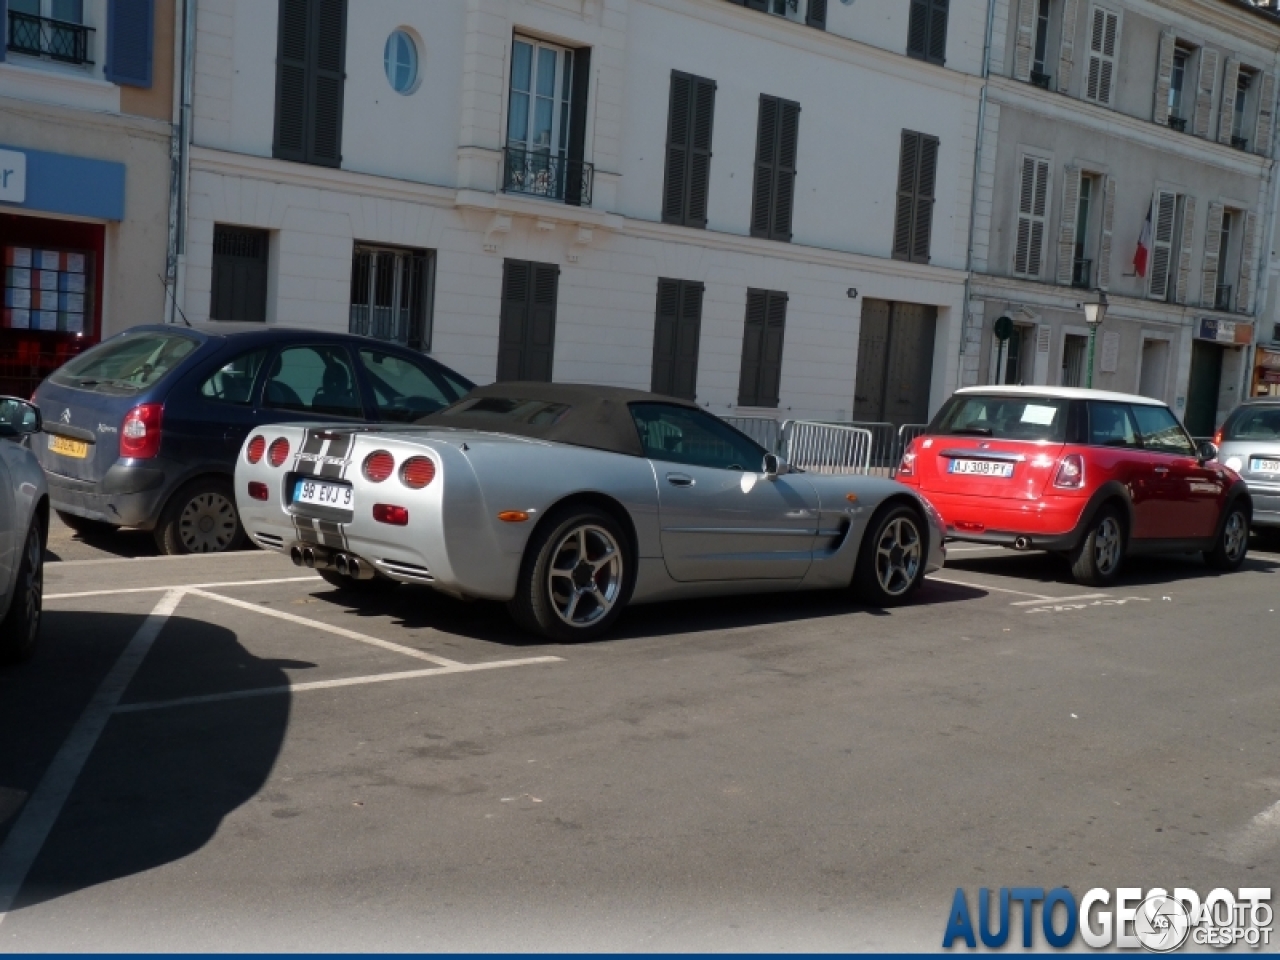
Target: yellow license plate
x,y
68,448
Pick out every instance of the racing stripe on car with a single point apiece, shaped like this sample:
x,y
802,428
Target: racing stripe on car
x,y
338,448
312,444
331,534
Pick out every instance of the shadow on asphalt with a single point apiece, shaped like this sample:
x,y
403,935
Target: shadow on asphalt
x,y
159,783
415,608
1137,571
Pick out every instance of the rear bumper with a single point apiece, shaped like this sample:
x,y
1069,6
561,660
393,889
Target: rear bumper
x,y
1049,523
128,496
1266,504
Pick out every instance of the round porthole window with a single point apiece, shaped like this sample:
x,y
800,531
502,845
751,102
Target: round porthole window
x,y
400,58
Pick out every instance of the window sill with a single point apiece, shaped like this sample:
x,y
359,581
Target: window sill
x,y
30,78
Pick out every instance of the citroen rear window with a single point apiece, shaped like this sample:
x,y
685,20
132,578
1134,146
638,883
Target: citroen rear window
x,y
126,364
1260,424
1004,418
537,413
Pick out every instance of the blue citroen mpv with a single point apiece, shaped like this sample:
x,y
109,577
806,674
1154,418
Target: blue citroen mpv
x,y
143,430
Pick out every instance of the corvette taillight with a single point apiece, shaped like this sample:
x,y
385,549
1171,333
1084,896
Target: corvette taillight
x,y
140,432
378,466
390,513
1070,475
278,452
257,447
258,490
417,472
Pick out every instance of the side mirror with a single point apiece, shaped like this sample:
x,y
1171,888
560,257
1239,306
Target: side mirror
x,y
774,466
19,417
1207,450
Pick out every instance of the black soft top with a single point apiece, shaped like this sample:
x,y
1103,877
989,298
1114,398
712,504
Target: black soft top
x,y
585,415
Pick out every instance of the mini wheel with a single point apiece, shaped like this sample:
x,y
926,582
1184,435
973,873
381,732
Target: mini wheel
x,y
21,625
1232,546
891,561
576,576
200,518
1096,561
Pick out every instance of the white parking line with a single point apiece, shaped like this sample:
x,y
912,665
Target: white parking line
x,y
28,834
1082,596
327,628
330,684
1039,597
179,586
242,554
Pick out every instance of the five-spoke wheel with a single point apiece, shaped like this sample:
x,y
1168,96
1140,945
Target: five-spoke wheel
x,y
892,559
585,575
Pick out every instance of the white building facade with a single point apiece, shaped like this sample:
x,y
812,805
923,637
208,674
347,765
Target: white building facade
x,y
761,205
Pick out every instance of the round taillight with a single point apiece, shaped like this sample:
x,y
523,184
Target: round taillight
x,y
257,447
417,472
378,466
278,452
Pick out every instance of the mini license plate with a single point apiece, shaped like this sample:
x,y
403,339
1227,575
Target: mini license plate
x,y
982,468
68,447
321,494
1259,465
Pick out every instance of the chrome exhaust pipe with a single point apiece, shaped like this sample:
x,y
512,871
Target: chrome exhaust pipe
x,y
308,558
295,554
1022,543
359,569
340,564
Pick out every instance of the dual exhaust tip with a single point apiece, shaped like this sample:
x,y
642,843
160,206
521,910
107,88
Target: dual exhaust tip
x,y
344,564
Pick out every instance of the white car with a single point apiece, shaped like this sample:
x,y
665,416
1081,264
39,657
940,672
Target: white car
x,y
24,528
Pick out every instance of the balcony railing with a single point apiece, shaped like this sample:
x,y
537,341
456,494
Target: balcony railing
x,y
1178,123
540,174
1240,143
1081,273
44,37
1040,80
1222,297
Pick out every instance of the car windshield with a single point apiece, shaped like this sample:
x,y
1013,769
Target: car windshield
x,y
126,364
1004,418
1255,423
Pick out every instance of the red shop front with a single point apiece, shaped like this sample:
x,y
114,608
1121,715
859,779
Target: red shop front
x,y
52,296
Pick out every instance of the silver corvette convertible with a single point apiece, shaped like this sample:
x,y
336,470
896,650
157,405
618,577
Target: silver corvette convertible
x,y
568,502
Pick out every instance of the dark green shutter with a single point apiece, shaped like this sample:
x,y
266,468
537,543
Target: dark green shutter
x,y
690,116
922,220
291,81
527,326
816,14
676,334
937,52
577,125
310,73
927,30
773,191
913,213
760,378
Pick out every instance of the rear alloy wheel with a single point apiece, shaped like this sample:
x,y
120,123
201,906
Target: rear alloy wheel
x,y
201,518
1096,561
1233,542
575,578
21,625
892,559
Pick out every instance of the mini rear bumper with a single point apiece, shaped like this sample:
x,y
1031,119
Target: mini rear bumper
x,y
1050,523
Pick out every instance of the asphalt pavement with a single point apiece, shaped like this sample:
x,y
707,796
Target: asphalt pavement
x,y
226,753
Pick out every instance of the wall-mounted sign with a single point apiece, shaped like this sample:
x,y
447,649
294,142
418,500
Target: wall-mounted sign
x,y
1268,359
1110,361
13,176
1236,332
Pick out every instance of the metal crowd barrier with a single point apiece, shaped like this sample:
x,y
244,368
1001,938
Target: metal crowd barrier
x,y
850,446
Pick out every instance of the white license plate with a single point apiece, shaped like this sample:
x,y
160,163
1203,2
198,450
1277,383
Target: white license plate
x,y
982,468
321,494
1258,465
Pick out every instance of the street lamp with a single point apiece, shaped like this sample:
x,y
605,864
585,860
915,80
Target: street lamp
x,y
1095,311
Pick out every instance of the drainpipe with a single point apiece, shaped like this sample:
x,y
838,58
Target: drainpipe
x,y
966,316
179,167
1262,272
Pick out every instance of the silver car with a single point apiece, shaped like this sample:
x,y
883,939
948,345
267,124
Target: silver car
x,y
1249,444
568,502
24,528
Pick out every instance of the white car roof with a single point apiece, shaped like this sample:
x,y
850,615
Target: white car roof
x,y
1065,393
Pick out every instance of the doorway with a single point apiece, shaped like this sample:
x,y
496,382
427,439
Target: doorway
x,y
1206,381
239,287
895,362
1154,378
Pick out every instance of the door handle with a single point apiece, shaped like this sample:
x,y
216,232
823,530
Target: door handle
x,y
1160,471
679,479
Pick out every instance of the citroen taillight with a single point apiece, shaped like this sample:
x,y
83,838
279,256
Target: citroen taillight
x,y
140,432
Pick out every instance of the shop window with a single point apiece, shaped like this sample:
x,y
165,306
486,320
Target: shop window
x,y
47,290
391,294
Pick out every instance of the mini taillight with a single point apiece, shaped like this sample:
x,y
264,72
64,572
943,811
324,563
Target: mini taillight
x,y
258,490
907,468
140,432
1070,475
278,452
378,466
257,447
388,513
417,472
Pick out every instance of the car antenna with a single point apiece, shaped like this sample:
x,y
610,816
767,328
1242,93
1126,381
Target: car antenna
x,y
174,299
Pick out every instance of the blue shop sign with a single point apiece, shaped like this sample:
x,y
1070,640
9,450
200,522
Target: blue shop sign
x,y
58,183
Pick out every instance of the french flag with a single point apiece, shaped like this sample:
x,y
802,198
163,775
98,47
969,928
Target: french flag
x,y
1144,247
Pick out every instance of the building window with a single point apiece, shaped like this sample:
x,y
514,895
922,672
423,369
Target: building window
x,y
1104,37
1222,290
546,117
527,327
239,287
1033,192
815,10
49,29
927,30
688,168
1239,131
760,377
913,213
1177,85
1074,350
310,72
391,294
1082,263
1040,61
773,192
400,60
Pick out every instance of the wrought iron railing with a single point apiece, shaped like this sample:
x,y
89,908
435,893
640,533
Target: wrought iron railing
x,y
1222,297
1040,80
1240,143
1081,273
45,37
1178,123
547,175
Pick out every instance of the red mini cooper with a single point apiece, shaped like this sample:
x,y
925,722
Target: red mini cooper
x,y
1092,475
